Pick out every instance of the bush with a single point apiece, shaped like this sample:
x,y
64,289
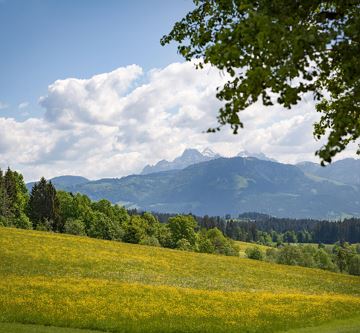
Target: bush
x,y
271,255
4,222
254,253
22,222
204,244
103,227
354,265
182,227
357,248
324,261
220,243
290,255
165,237
75,227
134,229
150,241
44,225
184,245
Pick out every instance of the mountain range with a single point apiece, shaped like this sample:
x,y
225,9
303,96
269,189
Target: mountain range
x,y
188,157
219,186
346,171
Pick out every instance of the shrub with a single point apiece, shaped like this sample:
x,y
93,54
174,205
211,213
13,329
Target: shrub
x,y
75,227
271,255
165,237
150,241
220,243
134,229
184,245
204,244
323,260
182,227
4,222
354,265
254,253
103,227
22,222
44,225
290,255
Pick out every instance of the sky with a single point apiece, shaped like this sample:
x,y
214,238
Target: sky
x,y
87,89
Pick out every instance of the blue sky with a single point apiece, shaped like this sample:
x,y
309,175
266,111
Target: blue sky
x,y
45,40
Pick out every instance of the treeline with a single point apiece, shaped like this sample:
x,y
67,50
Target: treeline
x,y
267,230
342,257
58,211
308,230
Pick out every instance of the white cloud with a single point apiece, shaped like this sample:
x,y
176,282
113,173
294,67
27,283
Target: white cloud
x,y
114,123
23,105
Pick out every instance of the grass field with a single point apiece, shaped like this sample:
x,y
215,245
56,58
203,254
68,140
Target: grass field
x,y
242,246
78,282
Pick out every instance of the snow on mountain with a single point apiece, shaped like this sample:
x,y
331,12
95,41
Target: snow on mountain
x,y
190,156
260,156
210,153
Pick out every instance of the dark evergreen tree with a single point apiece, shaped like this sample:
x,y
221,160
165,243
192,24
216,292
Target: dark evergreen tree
x,y
4,199
44,206
13,200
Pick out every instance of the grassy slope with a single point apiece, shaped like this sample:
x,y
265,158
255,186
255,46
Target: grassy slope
x,y
68,281
23,328
242,246
350,325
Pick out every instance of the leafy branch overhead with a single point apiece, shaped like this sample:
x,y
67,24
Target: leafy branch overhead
x,y
278,50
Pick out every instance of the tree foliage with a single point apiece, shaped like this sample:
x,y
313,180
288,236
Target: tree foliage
x,y
182,228
43,207
277,51
13,200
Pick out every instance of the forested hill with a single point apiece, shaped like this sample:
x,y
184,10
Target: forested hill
x,y
230,186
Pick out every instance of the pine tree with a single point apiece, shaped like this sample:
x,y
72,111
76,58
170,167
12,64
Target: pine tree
x,y
13,199
4,200
43,206
10,189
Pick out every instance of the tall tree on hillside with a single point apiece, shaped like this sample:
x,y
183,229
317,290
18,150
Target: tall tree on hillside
x,y
21,196
276,52
13,199
182,228
4,199
44,206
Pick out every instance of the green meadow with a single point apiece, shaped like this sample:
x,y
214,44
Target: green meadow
x,y
59,283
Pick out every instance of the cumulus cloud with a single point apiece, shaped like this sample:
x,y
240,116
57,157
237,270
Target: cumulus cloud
x,y
114,123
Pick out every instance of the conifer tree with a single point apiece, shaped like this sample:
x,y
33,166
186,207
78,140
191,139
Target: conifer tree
x,y
4,200
43,206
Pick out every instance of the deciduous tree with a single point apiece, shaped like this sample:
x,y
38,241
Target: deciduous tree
x,y
277,51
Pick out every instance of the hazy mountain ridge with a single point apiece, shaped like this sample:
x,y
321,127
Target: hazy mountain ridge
x,y
229,185
63,181
260,156
346,171
188,157
193,156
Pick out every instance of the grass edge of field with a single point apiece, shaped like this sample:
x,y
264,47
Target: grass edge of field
x,y
349,325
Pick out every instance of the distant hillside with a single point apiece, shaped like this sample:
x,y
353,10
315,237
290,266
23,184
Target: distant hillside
x,y
230,186
346,171
63,181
